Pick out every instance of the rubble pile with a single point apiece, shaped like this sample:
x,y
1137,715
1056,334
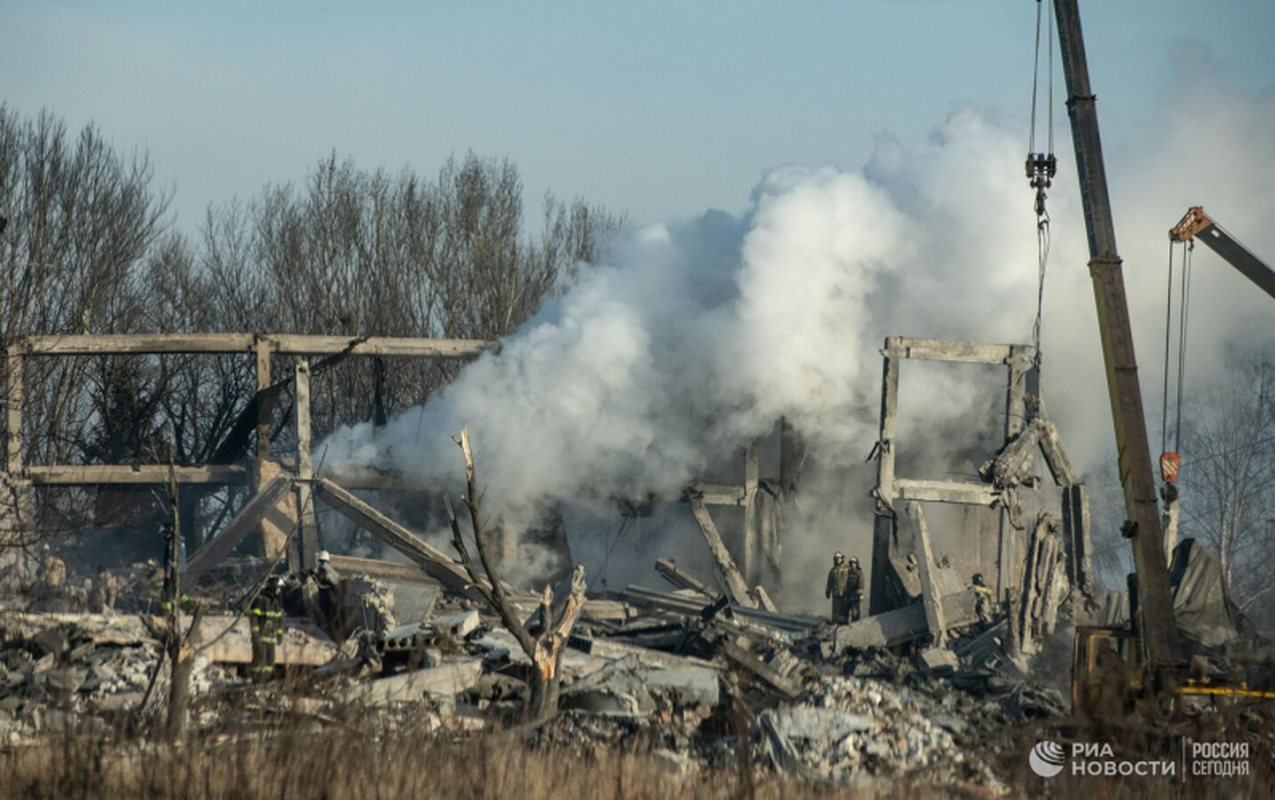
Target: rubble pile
x,y
695,680
81,672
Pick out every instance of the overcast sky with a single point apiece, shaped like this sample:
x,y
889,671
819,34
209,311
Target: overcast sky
x,y
659,109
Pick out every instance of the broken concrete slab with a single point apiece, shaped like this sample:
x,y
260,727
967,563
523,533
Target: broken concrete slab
x,y
608,649
446,680
692,607
629,688
903,625
414,601
769,676
685,687
502,647
227,640
937,660
618,689
458,625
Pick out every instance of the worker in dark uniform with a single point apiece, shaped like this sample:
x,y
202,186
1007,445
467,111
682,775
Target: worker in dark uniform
x,y
854,589
838,583
265,617
982,599
102,595
169,564
328,581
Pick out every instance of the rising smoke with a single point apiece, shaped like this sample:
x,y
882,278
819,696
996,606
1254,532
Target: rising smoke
x,y
693,337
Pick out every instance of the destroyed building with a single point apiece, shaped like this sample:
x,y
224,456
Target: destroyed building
x,y
901,691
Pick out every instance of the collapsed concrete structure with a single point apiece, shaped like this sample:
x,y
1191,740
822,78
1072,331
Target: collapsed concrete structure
x,y
911,686
1033,568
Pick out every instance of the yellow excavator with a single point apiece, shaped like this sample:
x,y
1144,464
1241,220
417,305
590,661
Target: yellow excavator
x,y
1146,660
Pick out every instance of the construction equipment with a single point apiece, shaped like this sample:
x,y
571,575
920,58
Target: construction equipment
x,y
1198,225
1146,659
1108,675
1153,617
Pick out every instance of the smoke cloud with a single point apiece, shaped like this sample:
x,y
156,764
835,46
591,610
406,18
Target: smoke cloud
x,y
653,368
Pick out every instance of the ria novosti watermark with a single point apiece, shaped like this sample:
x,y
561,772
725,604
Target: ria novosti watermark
x,y
1212,759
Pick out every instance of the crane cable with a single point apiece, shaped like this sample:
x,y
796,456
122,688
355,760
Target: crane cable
x,y
1041,168
1184,306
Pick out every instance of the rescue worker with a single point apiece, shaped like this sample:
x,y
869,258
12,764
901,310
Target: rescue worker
x,y
982,599
174,562
328,581
854,591
52,594
103,593
838,583
168,564
266,623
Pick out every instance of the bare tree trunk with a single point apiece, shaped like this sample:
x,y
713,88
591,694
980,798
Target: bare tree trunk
x,y
546,648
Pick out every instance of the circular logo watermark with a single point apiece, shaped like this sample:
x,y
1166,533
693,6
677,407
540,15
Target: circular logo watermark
x,y
1047,759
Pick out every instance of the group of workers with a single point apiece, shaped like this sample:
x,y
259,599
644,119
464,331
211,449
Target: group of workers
x,y
845,589
266,611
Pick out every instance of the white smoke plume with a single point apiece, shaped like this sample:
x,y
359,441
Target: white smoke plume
x,y
694,337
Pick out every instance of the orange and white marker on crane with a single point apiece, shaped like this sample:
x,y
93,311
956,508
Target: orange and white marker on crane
x,y
1169,465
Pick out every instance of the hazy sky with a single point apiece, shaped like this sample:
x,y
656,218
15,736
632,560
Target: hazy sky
x,y
660,109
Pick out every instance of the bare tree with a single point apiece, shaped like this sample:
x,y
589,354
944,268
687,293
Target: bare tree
x,y
80,221
1226,484
1228,477
546,647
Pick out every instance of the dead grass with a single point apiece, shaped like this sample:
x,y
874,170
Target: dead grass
x,y
358,756
331,765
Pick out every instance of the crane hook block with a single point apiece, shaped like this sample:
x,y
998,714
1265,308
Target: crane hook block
x,y
1041,169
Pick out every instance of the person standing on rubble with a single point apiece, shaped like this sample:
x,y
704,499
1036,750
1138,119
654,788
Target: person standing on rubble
x,y
854,590
102,595
982,599
329,585
266,623
174,560
837,587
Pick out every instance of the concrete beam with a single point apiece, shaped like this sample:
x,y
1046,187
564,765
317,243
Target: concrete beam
x,y
683,579
282,343
13,410
942,350
136,475
885,493
437,564
903,625
1060,468
383,570
224,541
731,579
973,494
448,680
307,550
930,599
